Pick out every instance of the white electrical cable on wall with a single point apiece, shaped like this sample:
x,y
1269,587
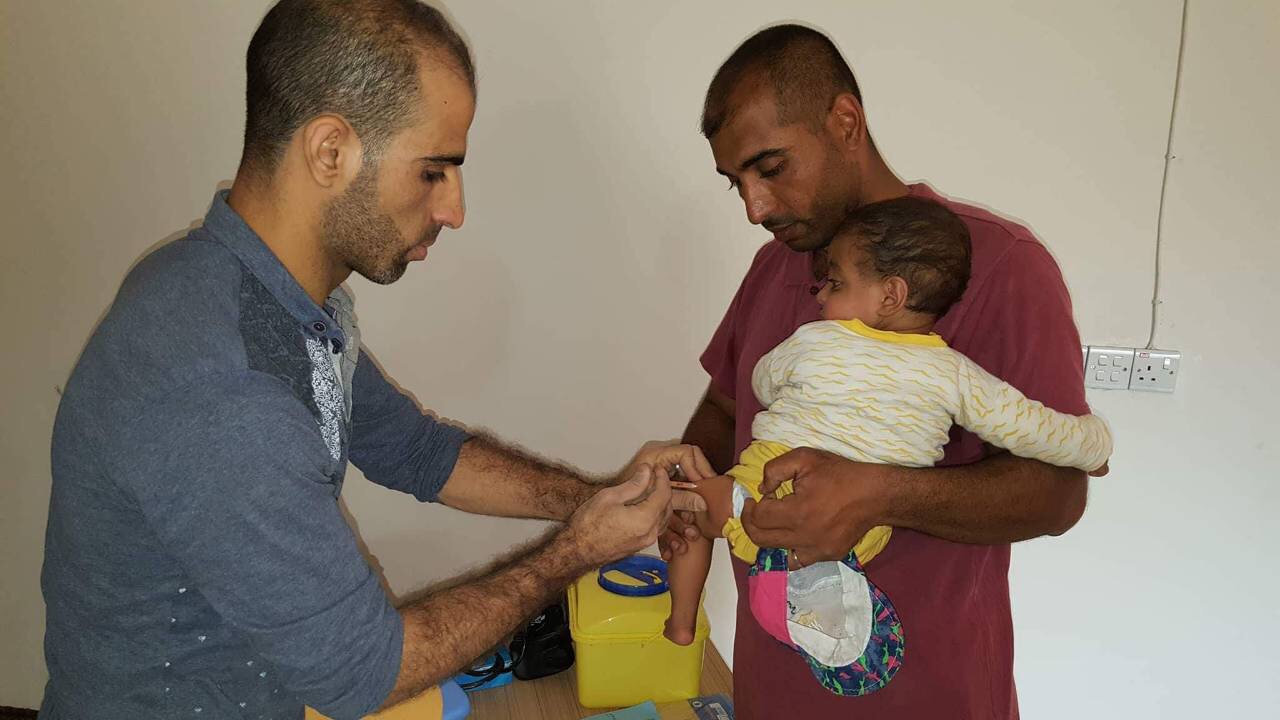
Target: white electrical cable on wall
x,y
1164,181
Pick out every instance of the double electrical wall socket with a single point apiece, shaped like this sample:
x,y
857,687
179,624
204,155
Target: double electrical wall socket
x,y
1155,370
1119,368
1108,368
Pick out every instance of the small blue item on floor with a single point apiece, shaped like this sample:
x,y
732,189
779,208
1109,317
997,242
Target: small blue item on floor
x,y
491,672
644,711
456,703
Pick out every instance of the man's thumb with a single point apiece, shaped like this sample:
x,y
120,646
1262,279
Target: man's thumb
x,y
637,487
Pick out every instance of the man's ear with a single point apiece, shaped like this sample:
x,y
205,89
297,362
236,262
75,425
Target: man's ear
x,y
896,293
846,122
331,151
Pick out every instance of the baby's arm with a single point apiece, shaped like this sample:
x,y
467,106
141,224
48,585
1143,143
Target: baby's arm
x,y
1001,415
718,494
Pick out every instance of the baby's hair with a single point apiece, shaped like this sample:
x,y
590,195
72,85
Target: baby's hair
x,y
918,240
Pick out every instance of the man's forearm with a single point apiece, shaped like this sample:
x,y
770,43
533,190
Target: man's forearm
x,y
449,629
492,479
999,500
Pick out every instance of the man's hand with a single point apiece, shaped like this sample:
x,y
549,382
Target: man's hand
x,y
683,463
622,519
671,542
685,503
836,501
671,456
446,630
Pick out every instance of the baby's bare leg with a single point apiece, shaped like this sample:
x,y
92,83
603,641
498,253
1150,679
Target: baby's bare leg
x,y
687,574
687,571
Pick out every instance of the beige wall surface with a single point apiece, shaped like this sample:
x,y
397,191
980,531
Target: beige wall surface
x,y
600,250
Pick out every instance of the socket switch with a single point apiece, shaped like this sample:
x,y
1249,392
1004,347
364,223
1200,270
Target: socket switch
x,y
1108,368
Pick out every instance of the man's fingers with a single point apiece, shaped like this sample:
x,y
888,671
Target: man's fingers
x,y
774,522
670,545
763,536
659,493
782,468
772,513
687,459
698,463
637,488
686,501
683,522
680,526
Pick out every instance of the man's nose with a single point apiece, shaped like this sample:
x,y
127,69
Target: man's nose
x,y
758,202
453,210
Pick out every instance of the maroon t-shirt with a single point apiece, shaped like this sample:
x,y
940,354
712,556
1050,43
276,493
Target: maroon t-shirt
x,y
1015,321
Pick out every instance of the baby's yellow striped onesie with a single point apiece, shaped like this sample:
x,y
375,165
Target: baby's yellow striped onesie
x,y
884,397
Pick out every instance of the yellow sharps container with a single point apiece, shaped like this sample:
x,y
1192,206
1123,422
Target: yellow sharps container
x,y
622,656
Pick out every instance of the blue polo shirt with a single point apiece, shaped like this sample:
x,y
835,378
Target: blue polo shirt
x,y
197,564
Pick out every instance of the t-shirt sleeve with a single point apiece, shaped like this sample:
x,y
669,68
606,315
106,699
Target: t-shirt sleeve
x,y
1029,337
720,359
995,411
396,444
234,481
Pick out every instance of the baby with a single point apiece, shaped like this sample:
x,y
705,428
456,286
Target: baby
x,y
872,383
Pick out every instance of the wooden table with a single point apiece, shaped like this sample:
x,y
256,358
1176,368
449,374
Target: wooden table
x,y
556,697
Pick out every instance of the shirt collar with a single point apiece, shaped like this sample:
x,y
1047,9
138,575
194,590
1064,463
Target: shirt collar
x,y
223,225
922,339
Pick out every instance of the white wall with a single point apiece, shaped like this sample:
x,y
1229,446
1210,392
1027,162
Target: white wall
x,y
600,250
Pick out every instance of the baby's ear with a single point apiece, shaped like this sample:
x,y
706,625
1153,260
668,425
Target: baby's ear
x,y
896,294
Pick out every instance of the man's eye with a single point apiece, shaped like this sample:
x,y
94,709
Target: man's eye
x,y
733,184
432,176
770,172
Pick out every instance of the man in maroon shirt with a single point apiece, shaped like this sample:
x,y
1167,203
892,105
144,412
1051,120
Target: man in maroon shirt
x,y
785,121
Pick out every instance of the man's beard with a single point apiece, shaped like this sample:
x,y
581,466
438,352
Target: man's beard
x,y
828,212
829,217
362,238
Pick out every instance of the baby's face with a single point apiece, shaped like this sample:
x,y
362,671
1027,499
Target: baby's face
x,y
849,293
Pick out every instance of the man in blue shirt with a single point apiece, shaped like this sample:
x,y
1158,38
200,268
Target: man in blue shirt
x,y
196,562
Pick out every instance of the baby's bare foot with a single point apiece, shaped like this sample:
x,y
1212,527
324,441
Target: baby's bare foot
x,y
678,634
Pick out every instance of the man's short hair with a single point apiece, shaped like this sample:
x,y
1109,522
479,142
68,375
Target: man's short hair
x,y
915,239
802,66
354,58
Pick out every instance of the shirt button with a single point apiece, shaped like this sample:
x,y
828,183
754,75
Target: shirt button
x,y
318,326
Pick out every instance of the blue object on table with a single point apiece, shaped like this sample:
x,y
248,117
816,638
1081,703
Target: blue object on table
x,y
491,672
456,704
647,569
